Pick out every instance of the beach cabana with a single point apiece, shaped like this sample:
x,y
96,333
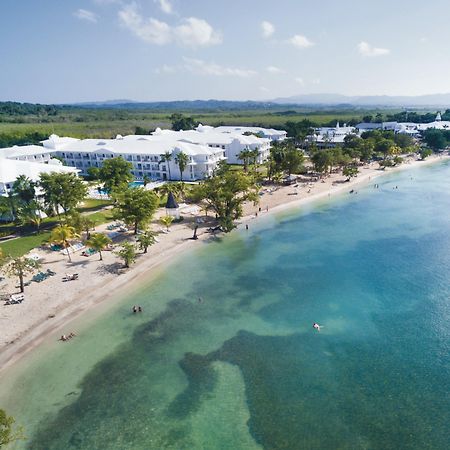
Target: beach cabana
x,y
172,207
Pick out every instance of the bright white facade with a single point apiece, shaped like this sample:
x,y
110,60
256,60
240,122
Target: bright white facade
x,y
411,128
11,169
328,137
205,147
268,133
143,152
232,142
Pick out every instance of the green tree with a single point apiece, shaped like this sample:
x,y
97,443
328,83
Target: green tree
x,y
435,139
81,223
292,160
93,173
62,190
180,122
425,152
136,207
145,240
321,160
115,174
226,192
167,157
7,433
350,172
24,188
182,160
62,235
98,241
30,213
146,180
166,221
127,253
245,156
19,267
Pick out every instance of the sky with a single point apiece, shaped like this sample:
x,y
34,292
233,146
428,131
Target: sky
x,y
62,51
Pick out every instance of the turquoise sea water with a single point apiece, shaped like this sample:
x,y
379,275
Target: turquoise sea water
x,y
243,368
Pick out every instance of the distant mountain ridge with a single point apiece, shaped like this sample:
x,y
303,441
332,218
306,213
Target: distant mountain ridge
x,y
307,100
366,100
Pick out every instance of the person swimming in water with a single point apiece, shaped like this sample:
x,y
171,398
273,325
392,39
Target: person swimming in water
x,y
317,327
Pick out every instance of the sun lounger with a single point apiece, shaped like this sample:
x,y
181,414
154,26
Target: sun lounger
x,y
70,277
15,299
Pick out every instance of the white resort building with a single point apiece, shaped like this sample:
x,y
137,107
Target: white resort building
x,y
411,128
329,137
205,147
31,162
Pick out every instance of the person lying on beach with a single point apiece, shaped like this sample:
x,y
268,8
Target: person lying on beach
x,y
69,336
317,327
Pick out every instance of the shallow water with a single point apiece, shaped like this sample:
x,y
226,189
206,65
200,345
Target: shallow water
x,y
243,368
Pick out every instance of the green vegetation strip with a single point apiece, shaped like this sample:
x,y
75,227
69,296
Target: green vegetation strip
x,y
21,246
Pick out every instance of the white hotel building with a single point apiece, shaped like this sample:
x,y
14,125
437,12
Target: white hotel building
x,y
205,147
28,160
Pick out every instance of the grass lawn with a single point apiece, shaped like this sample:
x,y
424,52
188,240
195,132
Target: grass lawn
x,y
92,204
102,217
21,246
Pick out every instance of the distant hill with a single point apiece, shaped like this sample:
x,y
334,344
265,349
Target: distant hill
x,y
180,105
442,100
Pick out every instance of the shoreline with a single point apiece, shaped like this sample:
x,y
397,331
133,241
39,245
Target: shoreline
x,y
171,246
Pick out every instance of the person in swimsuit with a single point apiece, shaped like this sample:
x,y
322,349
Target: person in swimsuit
x,y
316,326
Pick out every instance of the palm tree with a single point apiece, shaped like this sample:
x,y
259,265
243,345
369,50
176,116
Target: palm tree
x,y
127,253
61,235
182,160
167,157
98,241
245,156
167,221
146,240
30,213
254,157
19,267
24,188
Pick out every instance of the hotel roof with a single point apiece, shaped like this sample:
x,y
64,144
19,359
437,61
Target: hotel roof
x,y
139,145
10,169
23,150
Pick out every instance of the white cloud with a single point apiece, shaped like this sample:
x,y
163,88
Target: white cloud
x,y
195,32
366,49
192,32
200,67
300,41
84,14
165,6
149,30
274,70
267,29
316,81
165,69
263,89
299,80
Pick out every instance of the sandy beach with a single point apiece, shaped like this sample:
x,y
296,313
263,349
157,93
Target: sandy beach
x,y
49,306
